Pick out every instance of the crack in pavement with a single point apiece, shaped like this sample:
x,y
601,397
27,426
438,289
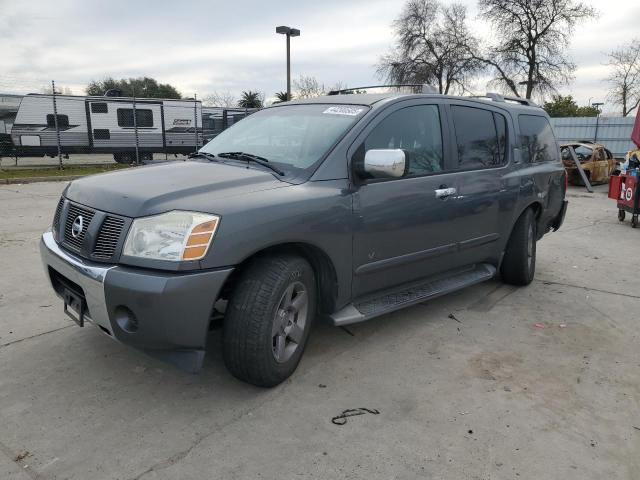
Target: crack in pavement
x,y
550,282
34,336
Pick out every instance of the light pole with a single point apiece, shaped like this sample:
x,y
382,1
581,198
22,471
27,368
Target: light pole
x,y
289,32
597,105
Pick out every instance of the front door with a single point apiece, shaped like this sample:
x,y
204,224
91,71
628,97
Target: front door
x,y
404,230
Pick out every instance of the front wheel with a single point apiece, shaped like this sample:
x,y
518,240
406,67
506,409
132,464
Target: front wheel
x,y
268,319
519,262
621,215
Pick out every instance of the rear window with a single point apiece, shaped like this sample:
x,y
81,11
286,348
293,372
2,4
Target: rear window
x,y
480,137
537,139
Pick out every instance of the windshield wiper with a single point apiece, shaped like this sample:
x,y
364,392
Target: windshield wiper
x,y
250,157
208,156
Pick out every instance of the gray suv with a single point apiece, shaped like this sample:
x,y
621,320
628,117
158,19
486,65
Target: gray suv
x,y
342,208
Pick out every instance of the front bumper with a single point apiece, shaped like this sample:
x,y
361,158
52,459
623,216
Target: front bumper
x,y
166,314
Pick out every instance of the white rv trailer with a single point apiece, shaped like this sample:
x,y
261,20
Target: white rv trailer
x,y
107,125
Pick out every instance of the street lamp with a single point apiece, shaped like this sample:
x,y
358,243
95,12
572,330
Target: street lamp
x,y
597,105
289,32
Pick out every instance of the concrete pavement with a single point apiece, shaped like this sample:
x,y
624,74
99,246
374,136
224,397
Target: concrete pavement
x,y
483,395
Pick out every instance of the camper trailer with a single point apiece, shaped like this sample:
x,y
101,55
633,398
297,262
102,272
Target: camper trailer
x,y
106,125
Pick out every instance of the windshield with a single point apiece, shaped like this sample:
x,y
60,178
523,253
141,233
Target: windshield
x,y
292,136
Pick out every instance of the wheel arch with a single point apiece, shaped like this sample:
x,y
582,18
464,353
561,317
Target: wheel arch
x,y
323,267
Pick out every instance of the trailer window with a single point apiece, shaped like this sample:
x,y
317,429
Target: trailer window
x,y
144,117
99,108
101,134
63,121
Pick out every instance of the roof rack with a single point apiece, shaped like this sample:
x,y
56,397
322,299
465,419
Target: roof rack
x,y
418,88
496,97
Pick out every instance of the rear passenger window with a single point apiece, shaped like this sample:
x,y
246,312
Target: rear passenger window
x,y
537,139
477,137
417,131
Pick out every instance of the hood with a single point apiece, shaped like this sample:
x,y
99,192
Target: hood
x,y
191,185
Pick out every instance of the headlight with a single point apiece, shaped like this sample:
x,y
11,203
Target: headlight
x,y
172,236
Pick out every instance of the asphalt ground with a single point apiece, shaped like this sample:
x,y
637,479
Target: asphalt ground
x,y
493,382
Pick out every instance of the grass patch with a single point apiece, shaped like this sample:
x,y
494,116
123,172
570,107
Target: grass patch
x,y
55,172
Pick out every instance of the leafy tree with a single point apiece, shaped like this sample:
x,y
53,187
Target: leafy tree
x,y
530,41
251,99
434,45
565,106
282,97
624,79
143,87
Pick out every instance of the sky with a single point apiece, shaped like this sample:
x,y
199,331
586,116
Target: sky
x,y
206,46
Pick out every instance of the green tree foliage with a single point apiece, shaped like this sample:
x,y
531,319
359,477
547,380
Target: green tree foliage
x,y
281,96
143,87
250,99
561,106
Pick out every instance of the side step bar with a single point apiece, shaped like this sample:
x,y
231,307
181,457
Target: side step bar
x,y
417,293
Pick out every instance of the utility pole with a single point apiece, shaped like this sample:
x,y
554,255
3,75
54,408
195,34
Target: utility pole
x,y
195,119
597,105
55,120
135,126
289,32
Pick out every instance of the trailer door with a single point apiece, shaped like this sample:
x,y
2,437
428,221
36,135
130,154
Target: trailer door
x,y
113,127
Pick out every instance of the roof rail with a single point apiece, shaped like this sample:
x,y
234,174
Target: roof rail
x,y
418,88
496,97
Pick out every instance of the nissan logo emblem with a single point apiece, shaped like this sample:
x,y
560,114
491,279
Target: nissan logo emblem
x,y
77,227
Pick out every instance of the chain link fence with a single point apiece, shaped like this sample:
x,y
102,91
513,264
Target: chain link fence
x,y
131,130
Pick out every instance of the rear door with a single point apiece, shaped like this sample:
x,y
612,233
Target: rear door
x,y
403,231
485,190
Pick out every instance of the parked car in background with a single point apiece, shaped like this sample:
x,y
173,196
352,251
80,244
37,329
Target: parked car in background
x,y
344,207
596,161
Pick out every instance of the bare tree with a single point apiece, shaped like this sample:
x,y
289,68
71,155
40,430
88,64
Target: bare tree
x,y
433,45
308,87
531,37
624,79
220,99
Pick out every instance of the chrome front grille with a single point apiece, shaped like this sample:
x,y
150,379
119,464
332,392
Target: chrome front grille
x,y
74,212
108,237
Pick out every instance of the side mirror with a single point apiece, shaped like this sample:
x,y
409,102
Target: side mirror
x,y
387,163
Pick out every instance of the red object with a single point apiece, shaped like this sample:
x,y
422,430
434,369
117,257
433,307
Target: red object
x,y
635,135
624,190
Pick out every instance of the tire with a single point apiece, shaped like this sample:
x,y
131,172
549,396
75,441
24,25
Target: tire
x,y
263,335
621,215
519,262
124,158
634,221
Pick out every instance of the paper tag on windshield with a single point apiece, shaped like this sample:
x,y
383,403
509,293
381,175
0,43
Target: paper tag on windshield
x,y
343,110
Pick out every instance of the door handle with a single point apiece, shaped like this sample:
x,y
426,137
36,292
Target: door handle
x,y
445,192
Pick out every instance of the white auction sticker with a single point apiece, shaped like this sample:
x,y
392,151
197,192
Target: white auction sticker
x,y
344,110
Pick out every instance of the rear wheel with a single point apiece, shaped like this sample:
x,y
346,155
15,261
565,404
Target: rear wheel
x,y
268,319
519,262
125,158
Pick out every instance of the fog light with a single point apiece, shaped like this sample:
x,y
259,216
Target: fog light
x,y
126,319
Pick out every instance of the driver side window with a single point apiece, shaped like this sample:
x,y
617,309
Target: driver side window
x,y
415,130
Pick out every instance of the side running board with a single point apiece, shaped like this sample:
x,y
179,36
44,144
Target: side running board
x,y
417,293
